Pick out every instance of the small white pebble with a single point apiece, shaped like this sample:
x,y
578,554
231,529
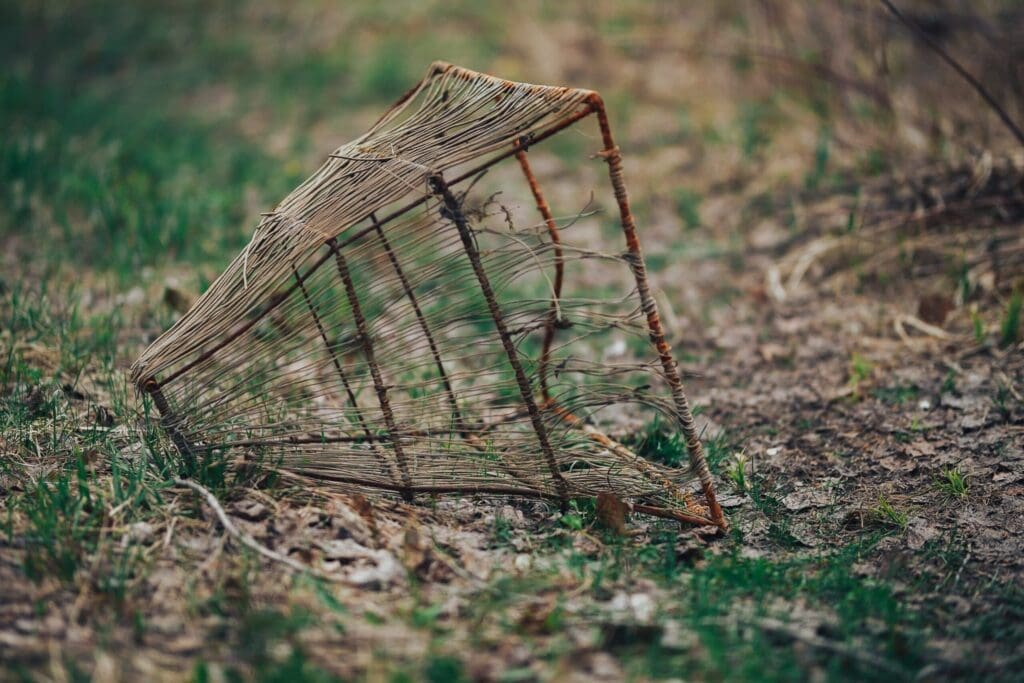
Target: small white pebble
x,y
924,404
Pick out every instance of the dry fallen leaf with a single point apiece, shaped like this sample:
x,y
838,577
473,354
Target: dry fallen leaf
x,y
415,549
612,512
934,308
364,508
249,510
807,498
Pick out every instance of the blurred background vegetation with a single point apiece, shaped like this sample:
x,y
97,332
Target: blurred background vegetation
x,y
141,133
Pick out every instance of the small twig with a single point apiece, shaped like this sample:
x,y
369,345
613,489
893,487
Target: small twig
x,y
975,83
248,540
170,530
931,330
1008,383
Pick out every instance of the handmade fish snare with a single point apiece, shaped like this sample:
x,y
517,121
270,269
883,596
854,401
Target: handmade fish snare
x,y
397,324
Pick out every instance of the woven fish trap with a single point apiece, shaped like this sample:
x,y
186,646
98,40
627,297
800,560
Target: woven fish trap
x,y
416,318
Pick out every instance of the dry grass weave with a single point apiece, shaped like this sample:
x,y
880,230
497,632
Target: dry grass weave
x,y
390,326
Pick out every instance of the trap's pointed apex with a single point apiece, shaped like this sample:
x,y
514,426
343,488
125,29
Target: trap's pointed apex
x,y
441,67
384,329
438,66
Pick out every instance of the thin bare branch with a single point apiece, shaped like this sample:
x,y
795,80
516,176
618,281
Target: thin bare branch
x,y
966,75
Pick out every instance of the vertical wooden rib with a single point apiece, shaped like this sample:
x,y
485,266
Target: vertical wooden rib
x,y
556,241
454,213
371,361
170,421
650,308
411,295
334,357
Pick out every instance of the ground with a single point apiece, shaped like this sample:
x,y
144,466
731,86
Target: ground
x,y
834,218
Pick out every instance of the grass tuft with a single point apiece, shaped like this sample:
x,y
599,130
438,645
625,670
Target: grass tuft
x,y
887,514
737,473
954,483
1009,329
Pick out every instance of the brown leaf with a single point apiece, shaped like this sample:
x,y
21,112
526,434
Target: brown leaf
x,y
415,548
934,308
250,510
612,512
919,448
898,463
807,498
364,508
